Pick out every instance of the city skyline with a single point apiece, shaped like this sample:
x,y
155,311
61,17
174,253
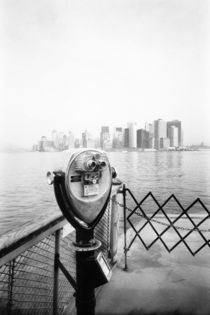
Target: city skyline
x,y
87,64
157,135
96,135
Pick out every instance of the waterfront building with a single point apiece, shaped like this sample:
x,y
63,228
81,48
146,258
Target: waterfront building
x,y
54,138
45,145
132,135
126,138
65,142
61,141
117,142
105,140
160,131
142,139
87,140
84,139
173,133
164,143
149,127
41,143
178,124
182,136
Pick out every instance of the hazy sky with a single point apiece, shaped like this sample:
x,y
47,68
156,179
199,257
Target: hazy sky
x,y
79,64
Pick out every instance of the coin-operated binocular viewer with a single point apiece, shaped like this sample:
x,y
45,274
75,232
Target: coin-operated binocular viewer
x,y
82,193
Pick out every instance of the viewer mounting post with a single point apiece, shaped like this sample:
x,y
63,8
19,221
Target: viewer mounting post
x,y
82,193
85,296
125,227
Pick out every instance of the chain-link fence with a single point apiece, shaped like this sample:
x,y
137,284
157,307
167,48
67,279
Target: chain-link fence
x,y
27,280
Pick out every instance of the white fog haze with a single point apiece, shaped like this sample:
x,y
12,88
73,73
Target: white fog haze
x,y
76,65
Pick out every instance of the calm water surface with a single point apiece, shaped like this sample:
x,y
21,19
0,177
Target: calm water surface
x,y
26,198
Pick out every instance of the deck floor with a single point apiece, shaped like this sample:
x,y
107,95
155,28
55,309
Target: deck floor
x,y
158,282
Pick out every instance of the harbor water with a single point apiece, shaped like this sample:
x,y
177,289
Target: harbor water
x,y
25,197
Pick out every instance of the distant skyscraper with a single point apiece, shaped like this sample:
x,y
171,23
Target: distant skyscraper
x,y
61,141
105,138
42,143
54,138
150,129
117,138
126,137
142,139
178,124
84,139
160,131
87,140
173,136
65,142
164,143
182,137
132,134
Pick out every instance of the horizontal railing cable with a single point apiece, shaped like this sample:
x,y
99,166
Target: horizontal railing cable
x,y
162,223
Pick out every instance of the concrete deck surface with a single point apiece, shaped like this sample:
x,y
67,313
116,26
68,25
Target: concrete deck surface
x,y
158,282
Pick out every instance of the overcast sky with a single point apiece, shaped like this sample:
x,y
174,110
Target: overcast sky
x,y
76,65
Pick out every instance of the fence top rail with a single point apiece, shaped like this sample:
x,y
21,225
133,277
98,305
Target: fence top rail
x,y
15,242
12,246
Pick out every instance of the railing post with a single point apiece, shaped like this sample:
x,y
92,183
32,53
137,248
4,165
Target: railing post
x,y
125,226
56,272
10,286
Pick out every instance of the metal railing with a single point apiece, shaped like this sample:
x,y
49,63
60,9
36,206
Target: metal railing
x,y
37,272
31,279
27,271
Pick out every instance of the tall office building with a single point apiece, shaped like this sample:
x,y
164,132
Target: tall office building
x,y
132,134
174,136
160,131
142,139
182,137
117,142
178,124
65,142
126,138
164,143
54,138
105,140
61,141
42,143
149,127
87,140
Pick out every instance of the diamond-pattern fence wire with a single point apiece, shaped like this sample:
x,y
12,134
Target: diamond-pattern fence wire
x,y
26,282
4,288
169,216
33,278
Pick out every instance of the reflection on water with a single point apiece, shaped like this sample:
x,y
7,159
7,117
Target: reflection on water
x,y
25,196
186,174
